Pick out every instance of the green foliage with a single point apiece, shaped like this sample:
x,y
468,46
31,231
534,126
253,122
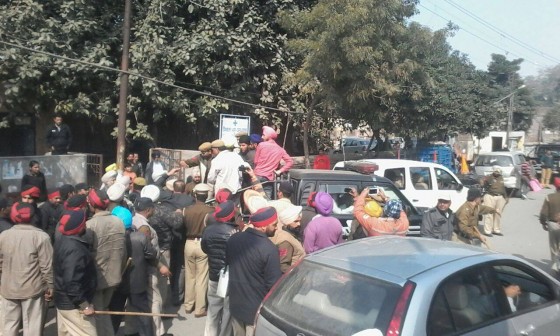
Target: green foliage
x,y
506,79
551,119
231,48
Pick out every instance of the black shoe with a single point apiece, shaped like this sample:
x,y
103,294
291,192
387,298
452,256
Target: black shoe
x,y
498,233
487,234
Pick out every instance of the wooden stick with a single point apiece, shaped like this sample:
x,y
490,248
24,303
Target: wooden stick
x,y
107,312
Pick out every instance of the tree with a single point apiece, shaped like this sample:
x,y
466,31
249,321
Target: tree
x,y
505,78
229,48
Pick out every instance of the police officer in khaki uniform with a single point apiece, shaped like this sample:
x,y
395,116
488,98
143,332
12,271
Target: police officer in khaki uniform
x,y
495,198
550,218
203,161
466,219
196,261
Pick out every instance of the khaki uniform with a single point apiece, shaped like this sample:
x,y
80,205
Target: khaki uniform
x,y
549,215
466,221
289,248
196,261
495,198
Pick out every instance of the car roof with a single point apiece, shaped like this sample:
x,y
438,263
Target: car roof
x,y
504,153
394,258
328,175
395,163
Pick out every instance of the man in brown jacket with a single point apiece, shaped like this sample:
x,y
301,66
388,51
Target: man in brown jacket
x,y
107,235
196,261
27,279
550,218
466,218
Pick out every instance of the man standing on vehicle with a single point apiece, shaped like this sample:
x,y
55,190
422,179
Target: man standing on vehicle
x,y
224,172
59,136
466,218
254,267
547,162
550,220
268,157
437,222
495,198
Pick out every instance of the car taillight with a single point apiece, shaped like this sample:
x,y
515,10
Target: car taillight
x,y
272,289
397,319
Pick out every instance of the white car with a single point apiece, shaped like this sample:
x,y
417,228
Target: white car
x,y
421,182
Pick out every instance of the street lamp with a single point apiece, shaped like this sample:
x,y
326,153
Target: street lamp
x,y
509,120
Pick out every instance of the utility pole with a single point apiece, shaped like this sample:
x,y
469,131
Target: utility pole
x,y
509,119
123,94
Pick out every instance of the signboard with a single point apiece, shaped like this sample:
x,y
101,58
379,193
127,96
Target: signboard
x,y
231,124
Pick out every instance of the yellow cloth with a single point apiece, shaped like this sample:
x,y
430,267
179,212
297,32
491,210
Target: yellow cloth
x,y
464,166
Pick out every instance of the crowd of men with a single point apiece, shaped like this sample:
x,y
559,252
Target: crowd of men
x,y
145,241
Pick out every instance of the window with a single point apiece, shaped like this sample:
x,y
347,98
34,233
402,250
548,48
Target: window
x,y
396,176
494,160
465,301
522,289
320,300
343,201
421,178
445,180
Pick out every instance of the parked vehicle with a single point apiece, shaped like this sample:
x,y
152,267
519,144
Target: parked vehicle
x,y
411,287
538,151
306,181
509,163
421,182
356,145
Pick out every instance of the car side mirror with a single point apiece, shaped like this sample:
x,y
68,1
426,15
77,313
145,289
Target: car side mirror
x,y
459,187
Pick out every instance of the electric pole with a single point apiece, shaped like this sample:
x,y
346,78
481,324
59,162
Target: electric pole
x,y
123,94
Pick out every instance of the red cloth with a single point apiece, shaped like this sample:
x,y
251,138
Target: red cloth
x,y
322,162
267,159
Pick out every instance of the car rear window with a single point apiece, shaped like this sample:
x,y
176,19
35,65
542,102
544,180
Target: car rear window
x,y
494,160
319,300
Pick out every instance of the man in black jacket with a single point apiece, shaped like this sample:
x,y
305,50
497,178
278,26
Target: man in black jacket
x,y
51,211
168,226
213,243
75,278
59,137
438,222
5,207
254,267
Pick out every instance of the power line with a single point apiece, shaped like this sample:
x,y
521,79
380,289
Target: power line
x,y
503,33
481,38
149,78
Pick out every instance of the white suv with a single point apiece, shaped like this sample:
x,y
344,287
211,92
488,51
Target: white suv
x,y
421,182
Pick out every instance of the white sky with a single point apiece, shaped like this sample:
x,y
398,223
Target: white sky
x,y
531,29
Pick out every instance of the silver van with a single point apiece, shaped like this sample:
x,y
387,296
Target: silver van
x,y
509,162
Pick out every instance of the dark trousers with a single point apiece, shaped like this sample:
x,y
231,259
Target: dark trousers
x,y
59,151
268,188
177,268
139,303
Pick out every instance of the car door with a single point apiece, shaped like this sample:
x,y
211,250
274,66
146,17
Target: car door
x,y
469,302
420,189
534,308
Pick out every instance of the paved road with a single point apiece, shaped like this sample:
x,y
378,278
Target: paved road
x,y
523,237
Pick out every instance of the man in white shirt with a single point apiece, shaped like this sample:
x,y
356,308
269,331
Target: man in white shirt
x,y
224,171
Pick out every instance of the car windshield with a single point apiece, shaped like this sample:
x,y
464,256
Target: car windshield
x,y
494,160
320,300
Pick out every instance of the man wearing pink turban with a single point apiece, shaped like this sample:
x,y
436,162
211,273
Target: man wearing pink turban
x,y
268,157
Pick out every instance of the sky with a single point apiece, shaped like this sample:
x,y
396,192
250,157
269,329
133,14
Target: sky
x,y
527,29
